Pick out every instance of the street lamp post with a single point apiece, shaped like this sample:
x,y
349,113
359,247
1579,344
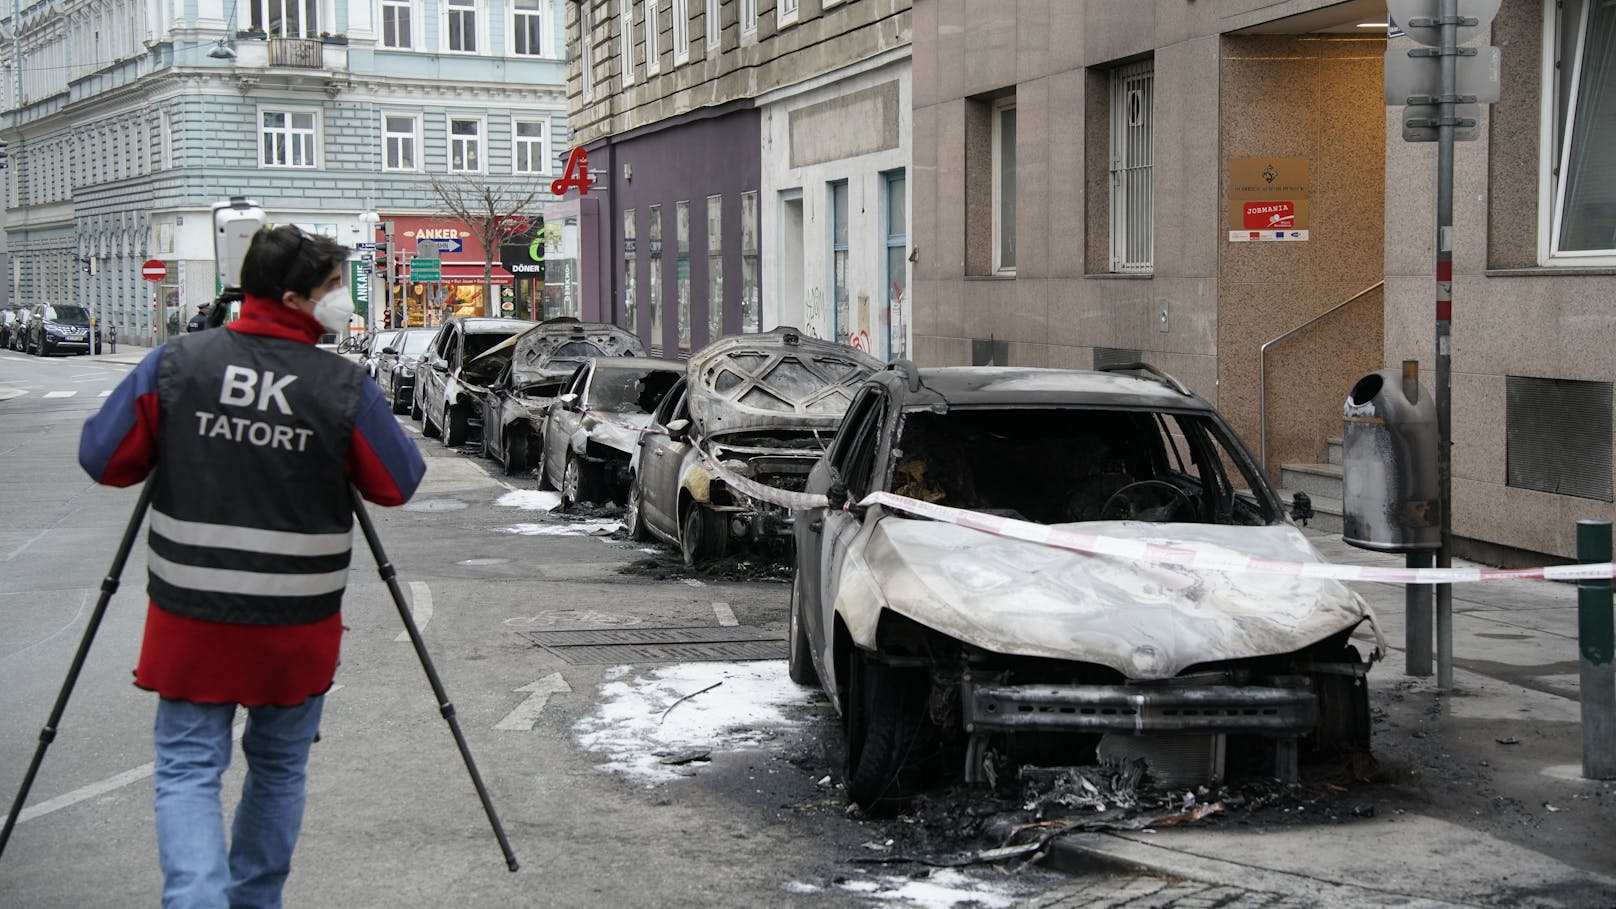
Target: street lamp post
x,y
367,229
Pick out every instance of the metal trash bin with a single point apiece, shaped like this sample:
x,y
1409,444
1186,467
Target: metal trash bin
x,y
1390,500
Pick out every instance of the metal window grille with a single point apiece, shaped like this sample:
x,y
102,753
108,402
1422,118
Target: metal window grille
x,y
1558,436
1132,156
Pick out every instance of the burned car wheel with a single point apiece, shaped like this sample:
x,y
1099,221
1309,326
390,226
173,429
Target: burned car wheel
x,y
454,426
884,710
633,520
580,482
701,535
515,454
799,659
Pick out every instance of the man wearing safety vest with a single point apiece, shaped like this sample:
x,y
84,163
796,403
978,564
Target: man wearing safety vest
x,y
251,436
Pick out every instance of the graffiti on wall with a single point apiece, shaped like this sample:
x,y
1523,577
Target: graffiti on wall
x,y
816,321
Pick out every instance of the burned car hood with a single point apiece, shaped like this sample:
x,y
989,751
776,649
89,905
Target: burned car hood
x,y
566,344
615,430
1145,620
779,378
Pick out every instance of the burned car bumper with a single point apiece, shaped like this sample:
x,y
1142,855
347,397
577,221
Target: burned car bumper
x,y
1136,709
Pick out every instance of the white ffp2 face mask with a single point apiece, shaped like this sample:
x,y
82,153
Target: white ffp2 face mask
x,y
334,310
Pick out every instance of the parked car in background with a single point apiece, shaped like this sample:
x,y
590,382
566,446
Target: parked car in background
x,y
59,328
533,367
396,364
594,425
445,403
951,652
372,351
9,325
765,405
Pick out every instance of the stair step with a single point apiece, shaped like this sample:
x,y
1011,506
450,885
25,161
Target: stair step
x,y
1332,450
1317,480
1326,510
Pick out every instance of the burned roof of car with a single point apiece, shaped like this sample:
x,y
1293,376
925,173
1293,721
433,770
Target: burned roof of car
x,y
556,348
775,379
477,325
968,386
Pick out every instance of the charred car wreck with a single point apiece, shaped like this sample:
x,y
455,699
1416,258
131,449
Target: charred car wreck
x,y
532,368
592,428
952,652
762,405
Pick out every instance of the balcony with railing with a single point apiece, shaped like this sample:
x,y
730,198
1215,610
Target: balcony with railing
x,y
255,50
304,53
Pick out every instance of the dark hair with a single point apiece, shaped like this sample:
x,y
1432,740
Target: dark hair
x,y
286,258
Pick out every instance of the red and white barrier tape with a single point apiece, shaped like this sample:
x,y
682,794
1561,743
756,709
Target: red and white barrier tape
x,y
1162,553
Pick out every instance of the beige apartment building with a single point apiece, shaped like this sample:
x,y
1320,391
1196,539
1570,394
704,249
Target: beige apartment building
x,y
1218,187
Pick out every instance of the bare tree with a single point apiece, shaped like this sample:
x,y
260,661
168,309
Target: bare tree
x,y
492,212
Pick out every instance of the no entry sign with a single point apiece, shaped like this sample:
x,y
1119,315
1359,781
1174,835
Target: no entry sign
x,y
153,270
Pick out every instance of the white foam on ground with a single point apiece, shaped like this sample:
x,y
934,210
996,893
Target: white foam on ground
x,y
744,711
598,527
942,889
530,500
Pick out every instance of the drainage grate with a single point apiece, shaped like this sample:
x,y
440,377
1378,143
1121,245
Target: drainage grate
x,y
660,645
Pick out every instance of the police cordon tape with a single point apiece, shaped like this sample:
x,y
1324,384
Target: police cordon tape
x,y
1208,558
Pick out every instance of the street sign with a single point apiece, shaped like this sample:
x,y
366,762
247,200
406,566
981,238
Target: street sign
x,y
1413,79
153,270
425,271
1414,18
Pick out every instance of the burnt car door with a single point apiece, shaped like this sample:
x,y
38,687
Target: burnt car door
x,y
822,539
562,421
662,457
433,375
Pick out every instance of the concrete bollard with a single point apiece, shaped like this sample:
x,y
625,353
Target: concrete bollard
x,y
1596,640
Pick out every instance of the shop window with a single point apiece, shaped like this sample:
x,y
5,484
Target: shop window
x,y
654,292
751,270
682,270
715,267
631,272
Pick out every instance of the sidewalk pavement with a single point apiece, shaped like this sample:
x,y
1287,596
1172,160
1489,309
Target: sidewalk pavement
x,y
1478,800
127,353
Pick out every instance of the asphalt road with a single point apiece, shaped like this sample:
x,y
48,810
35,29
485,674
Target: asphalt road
x,y
393,820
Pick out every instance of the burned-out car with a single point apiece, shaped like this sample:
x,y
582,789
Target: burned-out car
x,y
593,426
535,364
763,406
446,401
955,652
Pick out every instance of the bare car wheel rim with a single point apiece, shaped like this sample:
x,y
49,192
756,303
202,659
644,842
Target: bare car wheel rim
x,y
569,481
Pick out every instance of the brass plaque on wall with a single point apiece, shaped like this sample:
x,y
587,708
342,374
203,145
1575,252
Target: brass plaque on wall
x,y
1268,199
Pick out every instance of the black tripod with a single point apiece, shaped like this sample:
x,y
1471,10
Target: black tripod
x,y
109,586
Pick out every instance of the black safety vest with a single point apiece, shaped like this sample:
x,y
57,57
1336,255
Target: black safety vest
x,y
251,519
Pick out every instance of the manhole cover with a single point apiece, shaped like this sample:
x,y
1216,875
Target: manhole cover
x,y
737,643
435,505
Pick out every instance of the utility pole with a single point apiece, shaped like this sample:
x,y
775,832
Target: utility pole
x,y
1442,96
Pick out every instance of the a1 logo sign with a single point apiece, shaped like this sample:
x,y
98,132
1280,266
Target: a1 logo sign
x,y
575,173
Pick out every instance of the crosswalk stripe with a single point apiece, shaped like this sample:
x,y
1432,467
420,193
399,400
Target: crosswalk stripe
x,y
60,394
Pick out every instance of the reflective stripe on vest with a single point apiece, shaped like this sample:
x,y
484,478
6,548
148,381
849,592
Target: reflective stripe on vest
x,y
225,536
251,583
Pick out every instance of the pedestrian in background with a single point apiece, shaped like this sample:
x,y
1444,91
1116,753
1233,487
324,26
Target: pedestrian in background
x,y
251,436
199,322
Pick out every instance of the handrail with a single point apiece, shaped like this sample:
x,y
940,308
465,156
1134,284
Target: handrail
x,y
1262,369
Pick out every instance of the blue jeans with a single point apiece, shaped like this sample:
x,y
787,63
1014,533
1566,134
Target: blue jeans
x,y
193,749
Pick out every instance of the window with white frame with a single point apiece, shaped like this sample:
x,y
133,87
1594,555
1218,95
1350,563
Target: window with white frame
x,y
527,28
785,12
681,31
625,40
287,138
653,57
531,146
1132,153
286,18
460,29
396,19
748,17
1579,185
1004,186
465,145
713,25
400,140
586,50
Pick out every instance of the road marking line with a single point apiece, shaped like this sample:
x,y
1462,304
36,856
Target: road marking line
x,y
7,394
105,394
60,394
726,615
118,781
420,609
525,714
694,583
